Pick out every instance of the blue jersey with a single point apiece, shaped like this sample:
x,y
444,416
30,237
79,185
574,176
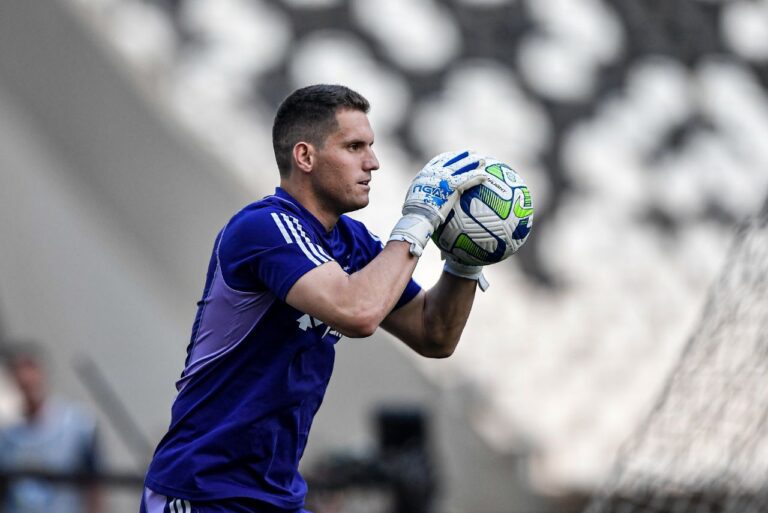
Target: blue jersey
x,y
256,368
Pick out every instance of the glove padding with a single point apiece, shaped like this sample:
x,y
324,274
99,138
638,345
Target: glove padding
x,y
470,272
433,193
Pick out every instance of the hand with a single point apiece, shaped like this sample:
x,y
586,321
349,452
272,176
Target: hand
x,y
471,272
438,185
432,194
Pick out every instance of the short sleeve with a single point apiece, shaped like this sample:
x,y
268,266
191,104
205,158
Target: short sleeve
x,y
267,249
409,293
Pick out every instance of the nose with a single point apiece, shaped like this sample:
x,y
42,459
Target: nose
x,y
371,163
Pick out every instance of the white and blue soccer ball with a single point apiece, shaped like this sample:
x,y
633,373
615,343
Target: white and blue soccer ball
x,y
490,221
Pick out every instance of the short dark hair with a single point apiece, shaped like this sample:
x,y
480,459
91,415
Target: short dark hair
x,y
309,114
16,350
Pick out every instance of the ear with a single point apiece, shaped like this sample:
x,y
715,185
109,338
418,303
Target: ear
x,y
304,156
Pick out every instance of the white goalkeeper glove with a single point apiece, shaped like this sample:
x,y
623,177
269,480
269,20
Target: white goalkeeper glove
x,y
433,193
462,270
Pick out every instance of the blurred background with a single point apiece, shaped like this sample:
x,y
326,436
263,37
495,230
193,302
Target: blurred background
x,y
131,130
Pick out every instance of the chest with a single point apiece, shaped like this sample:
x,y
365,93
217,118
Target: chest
x,y
53,446
348,249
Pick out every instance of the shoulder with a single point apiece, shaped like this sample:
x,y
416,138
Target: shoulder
x,y
265,222
268,244
72,417
263,212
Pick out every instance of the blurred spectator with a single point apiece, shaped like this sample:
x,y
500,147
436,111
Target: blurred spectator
x,y
55,441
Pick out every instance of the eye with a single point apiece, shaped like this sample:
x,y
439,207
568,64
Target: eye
x,y
355,146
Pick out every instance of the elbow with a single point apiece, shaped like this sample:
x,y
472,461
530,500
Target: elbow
x,y
438,349
358,331
438,354
360,324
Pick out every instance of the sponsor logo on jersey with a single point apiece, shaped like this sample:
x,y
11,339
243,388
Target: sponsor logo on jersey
x,y
306,322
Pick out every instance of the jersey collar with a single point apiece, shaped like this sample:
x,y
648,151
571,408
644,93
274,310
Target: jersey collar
x,y
306,214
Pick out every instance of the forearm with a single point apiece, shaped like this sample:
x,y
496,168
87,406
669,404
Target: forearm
x,y
446,309
355,304
373,291
432,323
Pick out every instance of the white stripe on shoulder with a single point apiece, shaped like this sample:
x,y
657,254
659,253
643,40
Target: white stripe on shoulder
x,y
172,506
299,241
279,224
321,250
314,248
317,250
188,505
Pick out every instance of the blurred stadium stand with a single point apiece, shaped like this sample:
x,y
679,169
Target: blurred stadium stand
x,y
703,447
131,129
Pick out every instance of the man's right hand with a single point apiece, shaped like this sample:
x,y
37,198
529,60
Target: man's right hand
x,y
432,194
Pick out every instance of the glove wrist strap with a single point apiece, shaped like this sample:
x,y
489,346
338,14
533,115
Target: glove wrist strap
x,y
415,229
470,272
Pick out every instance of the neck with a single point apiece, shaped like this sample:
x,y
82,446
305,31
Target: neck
x,y
309,200
33,410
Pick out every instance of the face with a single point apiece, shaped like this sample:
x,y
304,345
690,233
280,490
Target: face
x,y
341,172
30,379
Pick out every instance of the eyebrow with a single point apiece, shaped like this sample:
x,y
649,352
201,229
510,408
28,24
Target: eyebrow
x,y
356,140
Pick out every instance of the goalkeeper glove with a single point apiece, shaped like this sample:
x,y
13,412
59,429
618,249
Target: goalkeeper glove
x,y
432,194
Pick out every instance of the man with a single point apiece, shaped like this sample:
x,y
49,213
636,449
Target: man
x,y
289,275
53,436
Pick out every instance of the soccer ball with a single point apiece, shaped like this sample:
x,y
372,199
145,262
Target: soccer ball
x,y
490,221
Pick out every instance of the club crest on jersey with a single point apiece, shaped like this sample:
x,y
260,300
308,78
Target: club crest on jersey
x,y
306,322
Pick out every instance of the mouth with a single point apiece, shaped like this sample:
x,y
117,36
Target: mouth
x,y
366,183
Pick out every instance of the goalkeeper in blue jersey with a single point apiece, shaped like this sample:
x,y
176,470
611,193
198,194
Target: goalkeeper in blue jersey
x,y
289,276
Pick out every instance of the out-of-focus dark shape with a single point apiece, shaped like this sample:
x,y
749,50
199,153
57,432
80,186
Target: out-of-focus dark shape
x,y
401,469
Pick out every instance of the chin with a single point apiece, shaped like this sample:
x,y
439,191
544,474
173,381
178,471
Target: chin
x,y
357,205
